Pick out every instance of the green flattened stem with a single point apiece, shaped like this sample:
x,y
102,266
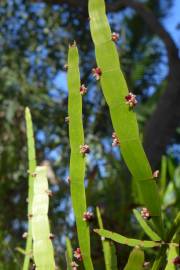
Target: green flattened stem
x,y
42,246
68,254
108,247
136,260
172,254
31,169
77,160
147,229
123,118
127,241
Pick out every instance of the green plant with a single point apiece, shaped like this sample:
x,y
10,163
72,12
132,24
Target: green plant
x,y
31,169
77,159
123,117
42,246
125,240
69,257
147,229
126,134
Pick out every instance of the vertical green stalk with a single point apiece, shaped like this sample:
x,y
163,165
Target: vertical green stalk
x,y
123,118
163,177
68,254
42,246
31,169
108,248
77,160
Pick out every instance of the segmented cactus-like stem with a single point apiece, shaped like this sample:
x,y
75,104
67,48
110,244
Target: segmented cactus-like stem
x,y
133,242
42,246
108,247
77,158
123,117
127,241
31,169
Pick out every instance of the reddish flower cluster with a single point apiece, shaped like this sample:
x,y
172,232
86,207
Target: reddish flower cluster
x,y
97,73
115,139
77,254
87,216
83,89
115,37
84,149
74,265
156,174
145,213
131,100
176,261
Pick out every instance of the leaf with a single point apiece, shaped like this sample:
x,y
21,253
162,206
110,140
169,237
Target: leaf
x,y
31,169
136,260
68,254
123,118
146,227
108,248
127,241
42,246
77,160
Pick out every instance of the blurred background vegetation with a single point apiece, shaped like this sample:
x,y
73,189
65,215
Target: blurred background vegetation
x,y
34,38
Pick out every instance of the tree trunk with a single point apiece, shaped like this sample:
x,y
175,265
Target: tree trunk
x,y
162,125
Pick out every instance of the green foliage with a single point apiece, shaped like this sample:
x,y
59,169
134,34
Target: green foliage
x,y
160,259
77,159
68,253
31,55
42,246
127,241
108,247
31,169
163,177
172,253
147,229
136,260
123,118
